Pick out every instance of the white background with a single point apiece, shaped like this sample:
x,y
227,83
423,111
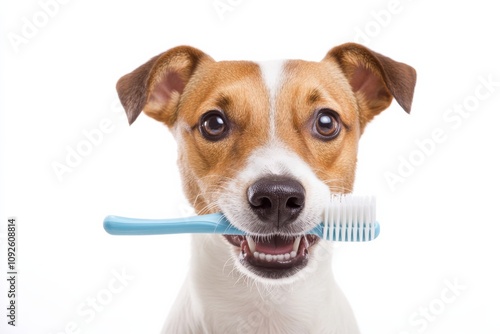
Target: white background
x,y
440,222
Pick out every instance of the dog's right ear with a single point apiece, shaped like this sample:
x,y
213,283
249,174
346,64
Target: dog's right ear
x,y
156,86
375,79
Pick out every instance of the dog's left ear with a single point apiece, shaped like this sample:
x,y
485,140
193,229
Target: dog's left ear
x,y
374,78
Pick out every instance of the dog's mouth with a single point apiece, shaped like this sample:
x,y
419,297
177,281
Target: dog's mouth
x,y
273,256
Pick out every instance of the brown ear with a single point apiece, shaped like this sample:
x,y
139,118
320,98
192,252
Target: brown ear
x,y
374,78
156,86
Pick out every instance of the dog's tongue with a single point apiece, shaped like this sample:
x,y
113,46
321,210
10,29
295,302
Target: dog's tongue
x,y
274,245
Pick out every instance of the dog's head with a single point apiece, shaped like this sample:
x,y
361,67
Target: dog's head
x,y
266,143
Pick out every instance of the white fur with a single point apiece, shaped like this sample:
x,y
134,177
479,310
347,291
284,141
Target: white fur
x,y
221,296
274,158
217,298
272,72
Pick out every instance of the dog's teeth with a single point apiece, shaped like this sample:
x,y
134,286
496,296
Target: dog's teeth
x,y
273,257
296,244
251,244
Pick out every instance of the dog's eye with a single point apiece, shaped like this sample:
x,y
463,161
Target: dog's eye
x,y
213,125
326,124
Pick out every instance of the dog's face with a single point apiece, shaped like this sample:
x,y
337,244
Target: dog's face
x,y
266,143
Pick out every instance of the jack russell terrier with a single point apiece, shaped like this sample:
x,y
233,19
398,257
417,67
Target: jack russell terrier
x,y
265,143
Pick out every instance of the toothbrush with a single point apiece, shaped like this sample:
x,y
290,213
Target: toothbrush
x,y
346,218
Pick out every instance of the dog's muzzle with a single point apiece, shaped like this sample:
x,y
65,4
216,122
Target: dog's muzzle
x,y
278,249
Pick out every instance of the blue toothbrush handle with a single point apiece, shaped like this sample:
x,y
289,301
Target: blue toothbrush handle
x,y
211,223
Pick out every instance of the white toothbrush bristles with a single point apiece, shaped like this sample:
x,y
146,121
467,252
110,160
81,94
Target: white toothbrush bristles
x,y
350,218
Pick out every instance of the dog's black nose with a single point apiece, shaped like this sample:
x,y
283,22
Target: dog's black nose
x,y
277,200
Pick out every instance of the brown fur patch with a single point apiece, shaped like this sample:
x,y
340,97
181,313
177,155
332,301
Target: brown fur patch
x,y
308,87
236,89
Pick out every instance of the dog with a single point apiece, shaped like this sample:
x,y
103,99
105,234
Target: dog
x,y
265,143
